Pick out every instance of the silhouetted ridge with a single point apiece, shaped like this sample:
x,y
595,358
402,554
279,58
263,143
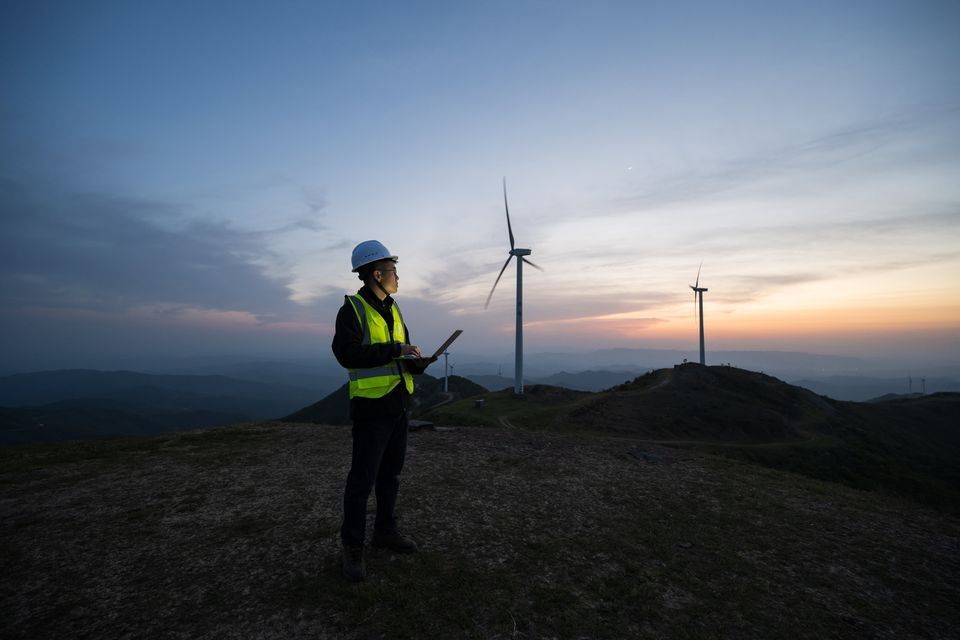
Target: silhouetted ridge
x,y
332,409
693,402
335,408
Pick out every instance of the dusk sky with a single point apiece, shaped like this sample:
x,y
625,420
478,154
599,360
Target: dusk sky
x,y
182,178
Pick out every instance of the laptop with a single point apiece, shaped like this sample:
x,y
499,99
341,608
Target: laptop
x,y
436,354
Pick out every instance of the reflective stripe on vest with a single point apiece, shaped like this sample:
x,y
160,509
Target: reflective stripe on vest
x,y
376,382
362,317
362,374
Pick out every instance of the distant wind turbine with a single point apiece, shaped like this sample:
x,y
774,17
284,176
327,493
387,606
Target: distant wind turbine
x,y
519,254
447,372
697,289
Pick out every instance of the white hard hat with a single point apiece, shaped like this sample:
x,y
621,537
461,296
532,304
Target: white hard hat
x,y
369,251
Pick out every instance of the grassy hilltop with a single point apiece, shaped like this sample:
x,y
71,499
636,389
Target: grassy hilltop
x,y
232,532
909,447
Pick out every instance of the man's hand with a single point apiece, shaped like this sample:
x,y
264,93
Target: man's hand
x,y
425,362
410,350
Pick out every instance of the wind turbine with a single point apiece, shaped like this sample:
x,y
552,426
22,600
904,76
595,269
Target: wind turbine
x,y
520,255
446,370
697,289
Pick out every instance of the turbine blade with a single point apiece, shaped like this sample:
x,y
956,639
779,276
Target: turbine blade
x,y
698,274
507,208
487,303
531,264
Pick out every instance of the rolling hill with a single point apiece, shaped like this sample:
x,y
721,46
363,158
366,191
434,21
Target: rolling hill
x,y
910,447
428,392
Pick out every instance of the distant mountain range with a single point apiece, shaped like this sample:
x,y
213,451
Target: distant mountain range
x,y
77,404
862,389
321,376
51,386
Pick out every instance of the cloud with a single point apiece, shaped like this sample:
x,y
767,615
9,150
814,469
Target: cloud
x,y
315,200
108,252
781,258
806,158
871,193
636,319
838,236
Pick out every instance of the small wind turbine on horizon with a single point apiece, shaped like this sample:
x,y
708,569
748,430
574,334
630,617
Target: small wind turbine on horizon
x,y
697,289
520,255
448,373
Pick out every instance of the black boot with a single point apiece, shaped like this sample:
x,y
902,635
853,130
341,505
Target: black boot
x,y
354,568
394,541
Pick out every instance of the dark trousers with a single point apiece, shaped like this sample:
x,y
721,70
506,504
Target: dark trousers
x,y
379,447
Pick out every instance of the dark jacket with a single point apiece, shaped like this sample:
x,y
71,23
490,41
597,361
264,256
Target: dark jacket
x,y
352,354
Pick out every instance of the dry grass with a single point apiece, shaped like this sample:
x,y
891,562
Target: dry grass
x,y
232,533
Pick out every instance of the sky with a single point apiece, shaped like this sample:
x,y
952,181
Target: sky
x,y
182,178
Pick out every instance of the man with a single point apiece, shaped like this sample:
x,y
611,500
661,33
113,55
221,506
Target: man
x,y
370,337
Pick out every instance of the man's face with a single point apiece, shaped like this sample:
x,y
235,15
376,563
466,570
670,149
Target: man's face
x,y
387,276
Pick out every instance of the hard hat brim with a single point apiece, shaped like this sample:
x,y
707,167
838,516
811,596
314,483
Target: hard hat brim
x,y
361,266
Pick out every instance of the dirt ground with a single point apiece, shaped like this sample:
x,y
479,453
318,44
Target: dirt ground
x,y
233,533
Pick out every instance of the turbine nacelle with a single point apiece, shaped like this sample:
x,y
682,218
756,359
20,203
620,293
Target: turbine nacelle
x,y
515,252
696,287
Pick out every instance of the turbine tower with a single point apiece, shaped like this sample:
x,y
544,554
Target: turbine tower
x,y
520,255
446,370
697,289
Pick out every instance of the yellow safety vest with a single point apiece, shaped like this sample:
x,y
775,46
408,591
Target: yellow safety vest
x,y
377,382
